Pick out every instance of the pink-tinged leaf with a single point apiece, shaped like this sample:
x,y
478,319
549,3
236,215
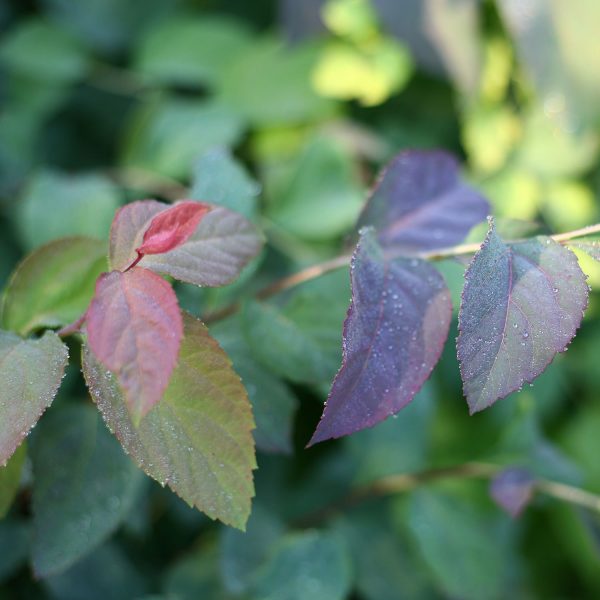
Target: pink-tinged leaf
x,y
512,490
521,305
172,227
127,231
222,244
420,203
394,333
198,439
134,327
30,372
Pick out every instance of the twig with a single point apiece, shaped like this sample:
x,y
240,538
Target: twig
x,y
406,482
342,261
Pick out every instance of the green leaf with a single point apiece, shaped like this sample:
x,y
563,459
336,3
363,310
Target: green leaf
x,y
84,487
169,134
56,205
220,179
195,577
121,22
14,546
243,554
190,51
30,372
270,85
398,445
10,478
197,439
458,544
323,196
312,564
389,565
304,338
53,285
107,573
42,50
273,404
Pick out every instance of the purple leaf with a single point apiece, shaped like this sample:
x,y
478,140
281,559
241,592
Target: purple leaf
x,y
393,336
591,247
512,489
521,305
419,203
134,328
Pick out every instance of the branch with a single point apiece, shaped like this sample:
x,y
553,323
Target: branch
x,y
406,482
342,261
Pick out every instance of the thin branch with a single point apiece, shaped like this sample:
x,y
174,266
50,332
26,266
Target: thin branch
x,y
342,261
406,482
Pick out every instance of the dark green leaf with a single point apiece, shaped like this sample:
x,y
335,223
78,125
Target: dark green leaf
x,y
14,546
311,564
10,478
84,486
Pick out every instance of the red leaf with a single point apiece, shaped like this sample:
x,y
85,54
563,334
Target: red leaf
x,y
172,227
134,328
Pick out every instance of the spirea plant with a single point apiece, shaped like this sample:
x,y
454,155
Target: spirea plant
x,y
168,391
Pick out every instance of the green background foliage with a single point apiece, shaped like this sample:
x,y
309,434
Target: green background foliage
x,y
271,111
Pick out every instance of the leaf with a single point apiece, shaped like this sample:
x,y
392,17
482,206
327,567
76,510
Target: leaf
x,y
166,136
459,545
31,372
394,334
303,338
311,564
14,546
521,305
198,438
591,247
323,195
512,489
243,554
273,403
62,59
83,488
269,85
192,51
56,204
134,327
220,179
214,255
10,479
419,203
107,573
172,227
128,228
53,285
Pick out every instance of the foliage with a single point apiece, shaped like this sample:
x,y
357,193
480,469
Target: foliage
x,y
183,219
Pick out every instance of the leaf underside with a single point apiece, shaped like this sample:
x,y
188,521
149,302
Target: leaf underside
x,y
31,372
521,305
419,203
134,327
394,334
512,489
198,439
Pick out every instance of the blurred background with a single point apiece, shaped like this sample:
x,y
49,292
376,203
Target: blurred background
x,y
285,111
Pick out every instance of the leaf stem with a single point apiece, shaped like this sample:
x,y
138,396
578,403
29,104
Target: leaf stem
x,y
406,482
73,327
343,260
